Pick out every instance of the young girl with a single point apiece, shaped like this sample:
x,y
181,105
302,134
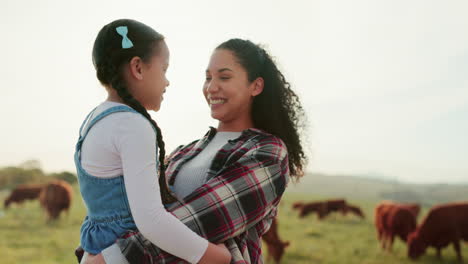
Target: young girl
x,y
116,154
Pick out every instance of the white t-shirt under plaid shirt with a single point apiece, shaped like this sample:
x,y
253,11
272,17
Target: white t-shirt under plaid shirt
x,y
193,174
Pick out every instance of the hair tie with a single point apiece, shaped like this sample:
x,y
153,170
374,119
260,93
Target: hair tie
x,y
126,42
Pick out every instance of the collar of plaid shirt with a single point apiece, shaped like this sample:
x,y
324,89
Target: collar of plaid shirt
x,y
237,203
183,154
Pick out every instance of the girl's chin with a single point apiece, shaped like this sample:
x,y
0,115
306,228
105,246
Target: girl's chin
x,y
156,108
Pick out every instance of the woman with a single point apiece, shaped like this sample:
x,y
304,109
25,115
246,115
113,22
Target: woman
x,y
236,174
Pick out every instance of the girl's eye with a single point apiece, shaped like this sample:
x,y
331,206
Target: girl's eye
x,y
225,77
208,78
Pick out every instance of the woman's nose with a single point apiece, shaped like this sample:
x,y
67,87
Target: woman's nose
x,y
212,87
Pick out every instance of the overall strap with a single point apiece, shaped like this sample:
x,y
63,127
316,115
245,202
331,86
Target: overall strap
x,y
86,121
114,109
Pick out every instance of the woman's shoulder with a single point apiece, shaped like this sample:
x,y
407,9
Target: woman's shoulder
x,y
263,138
261,144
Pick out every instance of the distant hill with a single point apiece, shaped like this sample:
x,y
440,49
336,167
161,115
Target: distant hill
x,y
361,188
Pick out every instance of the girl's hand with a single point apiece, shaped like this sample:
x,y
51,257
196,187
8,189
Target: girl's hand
x,y
216,254
95,259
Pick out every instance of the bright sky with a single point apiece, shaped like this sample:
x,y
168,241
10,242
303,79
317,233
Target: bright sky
x,y
384,83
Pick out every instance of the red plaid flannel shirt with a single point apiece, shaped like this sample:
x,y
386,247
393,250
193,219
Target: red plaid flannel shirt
x,y
236,205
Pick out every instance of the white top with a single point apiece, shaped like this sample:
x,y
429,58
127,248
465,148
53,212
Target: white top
x,y
193,174
125,143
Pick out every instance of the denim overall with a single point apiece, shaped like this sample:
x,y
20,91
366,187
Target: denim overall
x,y
108,212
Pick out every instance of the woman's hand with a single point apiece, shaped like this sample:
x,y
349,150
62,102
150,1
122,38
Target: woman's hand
x,y
95,259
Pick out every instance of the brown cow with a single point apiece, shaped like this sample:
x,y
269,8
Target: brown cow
x,y
414,208
274,244
55,198
313,207
396,221
382,210
322,208
444,224
355,210
297,205
338,205
23,192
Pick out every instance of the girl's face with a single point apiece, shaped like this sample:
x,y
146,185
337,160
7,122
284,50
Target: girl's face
x,y
154,82
227,88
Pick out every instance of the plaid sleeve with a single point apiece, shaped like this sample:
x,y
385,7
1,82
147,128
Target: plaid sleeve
x,y
236,199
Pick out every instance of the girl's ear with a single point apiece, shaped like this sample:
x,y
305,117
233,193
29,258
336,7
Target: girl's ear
x,y
258,85
136,68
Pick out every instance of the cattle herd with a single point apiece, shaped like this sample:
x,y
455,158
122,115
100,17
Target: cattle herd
x,y
54,197
444,224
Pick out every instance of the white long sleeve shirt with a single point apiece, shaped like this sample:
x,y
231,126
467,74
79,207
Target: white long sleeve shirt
x,y
124,143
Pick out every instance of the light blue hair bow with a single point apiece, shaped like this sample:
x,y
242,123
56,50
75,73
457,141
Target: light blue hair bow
x,y
126,42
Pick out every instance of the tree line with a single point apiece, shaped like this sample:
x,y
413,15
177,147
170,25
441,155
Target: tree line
x,y
30,172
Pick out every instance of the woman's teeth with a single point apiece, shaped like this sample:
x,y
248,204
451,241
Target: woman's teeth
x,y
217,101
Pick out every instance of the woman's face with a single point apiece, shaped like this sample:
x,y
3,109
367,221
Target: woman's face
x,y
227,88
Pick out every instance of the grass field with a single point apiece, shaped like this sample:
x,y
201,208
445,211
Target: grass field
x,y
25,237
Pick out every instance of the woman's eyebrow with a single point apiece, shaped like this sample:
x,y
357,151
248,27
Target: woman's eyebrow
x,y
224,69
220,70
